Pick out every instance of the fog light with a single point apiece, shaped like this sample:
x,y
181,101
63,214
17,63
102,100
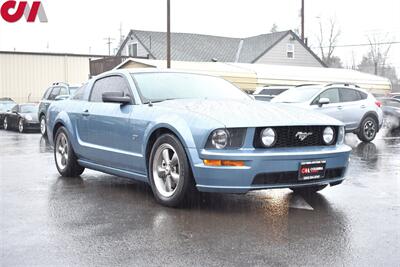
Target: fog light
x,y
268,137
328,135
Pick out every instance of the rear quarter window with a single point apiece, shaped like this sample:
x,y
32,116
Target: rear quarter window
x,y
363,95
349,95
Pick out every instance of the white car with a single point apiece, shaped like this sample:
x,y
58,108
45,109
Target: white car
x,y
356,108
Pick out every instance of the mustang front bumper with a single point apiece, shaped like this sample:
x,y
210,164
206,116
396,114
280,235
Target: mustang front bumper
x,y
266,168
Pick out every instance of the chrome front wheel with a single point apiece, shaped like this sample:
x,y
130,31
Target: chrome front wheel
x,y
169,170
166,168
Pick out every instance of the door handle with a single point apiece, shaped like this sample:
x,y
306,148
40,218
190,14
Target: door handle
x,y
362,106
85,113
339,107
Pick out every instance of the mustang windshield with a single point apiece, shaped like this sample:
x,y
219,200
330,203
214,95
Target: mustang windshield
x,y
297,95
156,87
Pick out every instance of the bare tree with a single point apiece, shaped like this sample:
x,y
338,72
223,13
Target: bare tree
x,y
327,41
274,28
379,52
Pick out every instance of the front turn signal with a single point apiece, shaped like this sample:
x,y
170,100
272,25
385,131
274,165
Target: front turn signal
x,y
217,162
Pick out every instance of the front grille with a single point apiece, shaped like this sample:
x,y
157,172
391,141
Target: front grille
x,y
276,178
286,136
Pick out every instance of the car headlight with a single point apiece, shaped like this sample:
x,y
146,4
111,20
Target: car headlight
x,y
28,117
219,139
341,135
328,135
226,138
268,137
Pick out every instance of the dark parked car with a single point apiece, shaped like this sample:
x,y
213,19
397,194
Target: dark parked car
x,y
391,113
22,117
6,104
57,91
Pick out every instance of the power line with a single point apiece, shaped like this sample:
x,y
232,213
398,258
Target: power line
x,y
354,45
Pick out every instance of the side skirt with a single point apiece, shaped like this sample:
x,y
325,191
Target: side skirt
x,y
113,171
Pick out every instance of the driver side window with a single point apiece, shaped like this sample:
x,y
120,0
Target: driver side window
x,y
331,94
109,84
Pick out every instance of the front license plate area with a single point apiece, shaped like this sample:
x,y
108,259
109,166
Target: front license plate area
x,y
311,170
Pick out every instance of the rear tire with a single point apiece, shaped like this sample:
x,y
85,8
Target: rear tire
x,y
308,190
64,155
43,129
170,175
368,129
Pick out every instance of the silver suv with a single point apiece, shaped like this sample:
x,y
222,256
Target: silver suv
x,y
57,91
356,108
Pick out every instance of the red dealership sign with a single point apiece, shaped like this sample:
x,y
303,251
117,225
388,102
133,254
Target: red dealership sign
x,y
12,11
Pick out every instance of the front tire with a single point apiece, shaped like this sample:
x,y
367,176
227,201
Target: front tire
x,y
43,129
64,155
21,127
368,129
308,190
169,171
5,124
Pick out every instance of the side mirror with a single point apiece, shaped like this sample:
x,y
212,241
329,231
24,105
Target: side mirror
x,y
116,97
323,101
14,111
61,97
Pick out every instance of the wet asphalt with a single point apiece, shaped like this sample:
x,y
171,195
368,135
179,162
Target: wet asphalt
x,y
103,220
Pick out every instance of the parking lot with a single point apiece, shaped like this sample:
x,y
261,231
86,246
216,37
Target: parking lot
x,y
100,219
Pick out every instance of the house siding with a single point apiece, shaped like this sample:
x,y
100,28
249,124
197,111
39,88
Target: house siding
x,y
277,55
142,52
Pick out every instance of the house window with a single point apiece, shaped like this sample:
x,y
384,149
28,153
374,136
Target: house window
x,y
290,50
133,49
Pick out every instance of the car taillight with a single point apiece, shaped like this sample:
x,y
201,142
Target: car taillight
x,y
378,103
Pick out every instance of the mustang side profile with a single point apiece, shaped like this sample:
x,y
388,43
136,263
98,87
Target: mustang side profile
x,y
182,132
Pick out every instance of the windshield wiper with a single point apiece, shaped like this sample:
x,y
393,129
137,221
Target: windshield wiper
x,y
159,100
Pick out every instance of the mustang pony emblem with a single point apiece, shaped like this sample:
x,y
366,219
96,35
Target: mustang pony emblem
x,y
302,135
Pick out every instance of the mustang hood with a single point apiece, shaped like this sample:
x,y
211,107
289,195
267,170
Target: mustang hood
x,y
250,113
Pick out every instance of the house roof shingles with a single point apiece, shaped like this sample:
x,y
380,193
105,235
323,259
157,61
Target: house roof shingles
x,y
199,47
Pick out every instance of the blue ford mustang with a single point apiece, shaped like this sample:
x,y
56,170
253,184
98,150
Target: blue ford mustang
x,y
180,132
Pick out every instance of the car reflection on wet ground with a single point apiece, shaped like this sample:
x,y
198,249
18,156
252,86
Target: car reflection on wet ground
x,y
99,219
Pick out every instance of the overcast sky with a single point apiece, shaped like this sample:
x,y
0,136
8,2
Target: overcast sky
x,y
81,26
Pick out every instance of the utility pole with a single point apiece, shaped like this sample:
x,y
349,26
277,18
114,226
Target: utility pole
x,y
168,35
109,42
302,20
121,37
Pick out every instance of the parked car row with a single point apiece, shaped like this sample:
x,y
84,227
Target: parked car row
x,y
30,116
20,117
